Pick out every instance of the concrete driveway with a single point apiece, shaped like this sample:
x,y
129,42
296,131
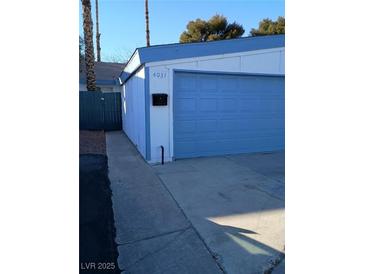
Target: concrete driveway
x,y
203,215
153,234
236,204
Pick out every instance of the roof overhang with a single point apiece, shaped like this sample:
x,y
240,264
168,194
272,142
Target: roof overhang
x,y
190,50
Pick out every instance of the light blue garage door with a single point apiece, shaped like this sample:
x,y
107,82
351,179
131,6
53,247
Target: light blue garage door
x,y
217,114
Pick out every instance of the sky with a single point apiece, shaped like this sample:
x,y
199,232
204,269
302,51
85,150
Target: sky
x,y
122,22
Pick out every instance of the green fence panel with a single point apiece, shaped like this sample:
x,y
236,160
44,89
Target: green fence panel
x,y
100,111
112,111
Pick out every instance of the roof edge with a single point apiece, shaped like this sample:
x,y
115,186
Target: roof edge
x,y
213,41
174,51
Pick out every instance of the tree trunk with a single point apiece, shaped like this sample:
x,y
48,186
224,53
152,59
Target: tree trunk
x,y
89,47
98,49
147,24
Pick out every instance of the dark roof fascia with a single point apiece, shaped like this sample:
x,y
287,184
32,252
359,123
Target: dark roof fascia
x,y
160,53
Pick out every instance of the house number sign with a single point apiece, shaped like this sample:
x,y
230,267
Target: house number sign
x,y
159,75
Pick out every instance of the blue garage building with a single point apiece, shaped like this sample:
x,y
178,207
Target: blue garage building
x,y
205,99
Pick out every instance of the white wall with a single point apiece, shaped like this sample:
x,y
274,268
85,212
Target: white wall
x,y
133,63
270,61
133,110
82,87
115,88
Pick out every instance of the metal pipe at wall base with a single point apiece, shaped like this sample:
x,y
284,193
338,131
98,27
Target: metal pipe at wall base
x,y
162,155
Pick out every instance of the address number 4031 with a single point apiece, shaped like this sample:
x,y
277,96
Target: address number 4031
x,y
159,75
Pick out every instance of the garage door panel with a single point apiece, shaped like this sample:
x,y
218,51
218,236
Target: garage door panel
x,y
187,148
276,85
249,105
205,137
185,127
230,114
229,85
248,145
185,137
250,85
186,105
186,83
207,83
208,105
207,125
228,125
243,135
256,124
228,105
197,135
231,146
206,145
186,95
259,116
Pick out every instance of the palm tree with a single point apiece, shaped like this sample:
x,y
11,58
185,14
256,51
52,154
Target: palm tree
x,y
147,24
89,47
81,53
98,49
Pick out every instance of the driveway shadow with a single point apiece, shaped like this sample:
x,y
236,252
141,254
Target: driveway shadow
x,y
201,215
236,251
235,207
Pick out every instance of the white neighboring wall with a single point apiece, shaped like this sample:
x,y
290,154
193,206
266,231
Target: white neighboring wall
x,y
82,87
269,61
115,88
133,110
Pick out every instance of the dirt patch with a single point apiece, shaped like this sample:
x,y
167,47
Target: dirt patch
x,y
98,250
92,142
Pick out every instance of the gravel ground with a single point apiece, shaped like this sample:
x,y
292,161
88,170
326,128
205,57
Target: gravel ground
x,y
92,142
98,251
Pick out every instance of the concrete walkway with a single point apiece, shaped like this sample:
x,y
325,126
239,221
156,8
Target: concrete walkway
x,y
152,233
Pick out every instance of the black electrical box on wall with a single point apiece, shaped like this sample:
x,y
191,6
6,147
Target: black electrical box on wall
x,y
159,99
